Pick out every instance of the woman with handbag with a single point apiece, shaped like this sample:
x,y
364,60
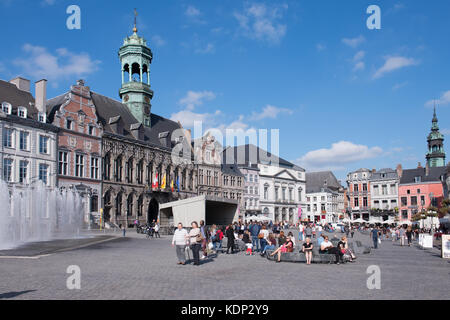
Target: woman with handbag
x,y
195,241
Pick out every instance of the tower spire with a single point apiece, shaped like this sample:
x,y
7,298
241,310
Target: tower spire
x,y
135,20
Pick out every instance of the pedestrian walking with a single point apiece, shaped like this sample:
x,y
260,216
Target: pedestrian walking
x,y
124,230
409,234
195,242
375,235
156,228
301,232
179,241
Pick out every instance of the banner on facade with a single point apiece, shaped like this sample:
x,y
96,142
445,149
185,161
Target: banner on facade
x,y
299,212
446,246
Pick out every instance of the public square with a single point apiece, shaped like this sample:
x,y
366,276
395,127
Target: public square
x,y
138,268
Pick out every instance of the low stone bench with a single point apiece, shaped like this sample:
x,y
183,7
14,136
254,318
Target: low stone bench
x,y
300,257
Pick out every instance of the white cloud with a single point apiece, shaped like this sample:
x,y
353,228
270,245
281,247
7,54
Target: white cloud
x,y
187,118
192,12
443,101
445,132
399,85
340,154
354,42
196,98
359,66
39,63
269,112
158,41
320,47
359,56
394,63
209,48
260,22
48,2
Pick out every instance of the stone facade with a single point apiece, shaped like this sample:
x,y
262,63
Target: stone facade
x,y
29,144
359,194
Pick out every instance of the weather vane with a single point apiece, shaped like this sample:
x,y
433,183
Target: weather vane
x,y
135,20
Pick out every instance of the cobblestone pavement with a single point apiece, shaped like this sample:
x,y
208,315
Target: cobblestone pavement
x,y
138,268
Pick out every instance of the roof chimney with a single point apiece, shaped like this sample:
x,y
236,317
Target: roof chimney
x,y
374,170
399,170
41,95
419,166
427,169
21,84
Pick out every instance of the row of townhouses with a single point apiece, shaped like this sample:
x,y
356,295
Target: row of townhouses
x,y
399,194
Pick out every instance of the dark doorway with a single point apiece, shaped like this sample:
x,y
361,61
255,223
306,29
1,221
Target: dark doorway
x,y
153,210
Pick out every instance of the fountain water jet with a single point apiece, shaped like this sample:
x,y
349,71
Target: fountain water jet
x,y
38,213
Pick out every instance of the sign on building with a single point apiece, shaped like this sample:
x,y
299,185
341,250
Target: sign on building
x,y
446,246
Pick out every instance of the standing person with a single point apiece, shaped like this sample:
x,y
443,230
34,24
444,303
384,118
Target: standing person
x,y
179,241
205,239
409,233
352,231
319,230
401,234
124,230
229,233
301,232
195,241
156,228
308,231
254,230
307,250
213,236
346,230
374,234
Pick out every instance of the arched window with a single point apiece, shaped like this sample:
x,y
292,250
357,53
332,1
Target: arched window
x,y
135,72
126,73
130,205
145,77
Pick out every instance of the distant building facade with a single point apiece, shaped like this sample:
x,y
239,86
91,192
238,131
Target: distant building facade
x,y
324,197
359,194
29,143
384,194
420,189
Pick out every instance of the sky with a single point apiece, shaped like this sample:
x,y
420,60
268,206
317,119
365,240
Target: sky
x,y
342,96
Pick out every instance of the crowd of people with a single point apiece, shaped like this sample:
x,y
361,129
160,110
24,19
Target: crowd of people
x,y
257,238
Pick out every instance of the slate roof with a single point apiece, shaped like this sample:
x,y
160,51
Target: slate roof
x,y
17,98
388,172
315,181
108,108
435,174
251,152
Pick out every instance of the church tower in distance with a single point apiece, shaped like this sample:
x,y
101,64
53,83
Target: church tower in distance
x,y
435,154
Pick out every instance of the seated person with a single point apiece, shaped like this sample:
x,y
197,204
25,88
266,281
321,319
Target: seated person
x,y
271,244
327,248
307,249
288,246
281,239
343,247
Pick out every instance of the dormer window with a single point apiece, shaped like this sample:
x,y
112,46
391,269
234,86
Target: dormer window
x,y
22,112
417,179
6,107
42,117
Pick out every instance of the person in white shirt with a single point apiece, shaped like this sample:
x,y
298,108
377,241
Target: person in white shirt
x,y
179,241
301,230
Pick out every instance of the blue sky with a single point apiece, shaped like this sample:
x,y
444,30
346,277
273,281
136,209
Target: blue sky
x,y
343,96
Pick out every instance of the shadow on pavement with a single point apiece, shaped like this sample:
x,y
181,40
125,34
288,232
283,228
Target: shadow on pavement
x,y
9,295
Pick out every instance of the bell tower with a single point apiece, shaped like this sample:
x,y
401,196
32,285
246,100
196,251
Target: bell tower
x,y
135,58
435,155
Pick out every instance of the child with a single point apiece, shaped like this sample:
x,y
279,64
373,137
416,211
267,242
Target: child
x,y
249,249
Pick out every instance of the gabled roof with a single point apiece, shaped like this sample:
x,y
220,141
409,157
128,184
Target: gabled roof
x,y
315,181
434,175
108,108
250,154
